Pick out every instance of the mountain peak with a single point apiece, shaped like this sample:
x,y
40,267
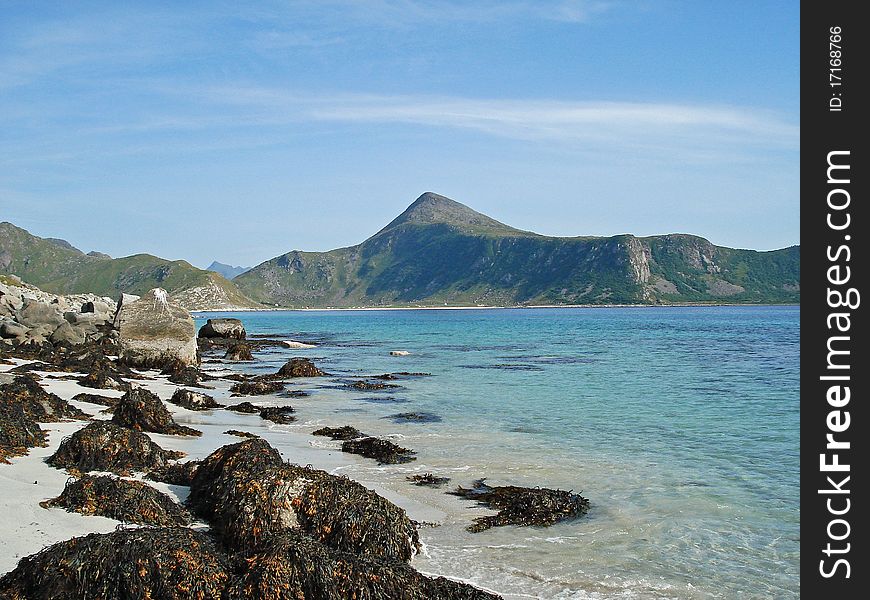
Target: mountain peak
x,y
431,209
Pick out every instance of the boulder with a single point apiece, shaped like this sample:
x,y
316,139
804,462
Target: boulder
x,y
68,335
239,352
193,400
299,367
36,313
231,329
153,332
95,306
11,330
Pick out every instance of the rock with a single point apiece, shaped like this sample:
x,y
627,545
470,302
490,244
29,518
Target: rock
x,y
26,394
399,353
384,451
239,352
120,499
414,417
373,386
189,376
96,399
256,388
105,446
95,306
223,328
278,414
299,367
339,433
101,378
66,334
18,432
35,314
193,400
175,474
300,345
250,495
427,479
241,434
160,563
522,506
244,407
154,332
142,410
12,330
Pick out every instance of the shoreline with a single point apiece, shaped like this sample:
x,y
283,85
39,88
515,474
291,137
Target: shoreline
x,y
493,307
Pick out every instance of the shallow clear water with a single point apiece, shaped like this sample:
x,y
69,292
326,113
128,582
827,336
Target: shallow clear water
x,y
679,424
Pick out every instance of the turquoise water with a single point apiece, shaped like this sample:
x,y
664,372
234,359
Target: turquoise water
x,y
679,424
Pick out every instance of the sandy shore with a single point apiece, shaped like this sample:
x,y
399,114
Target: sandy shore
x,y
27,528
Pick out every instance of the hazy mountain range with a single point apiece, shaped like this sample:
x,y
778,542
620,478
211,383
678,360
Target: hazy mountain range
x,y
436,252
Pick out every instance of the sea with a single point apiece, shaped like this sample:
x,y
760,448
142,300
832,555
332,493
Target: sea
x,y
679,424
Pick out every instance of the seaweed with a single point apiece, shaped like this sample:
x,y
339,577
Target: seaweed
x,y
384,451
120,499
299,367
249,495
179,473
428,479
414,417
372,386
241,434
165,563
239,352
256,388
104,446
101,377
522,506
18,432
293,566
36,403
96,399
244,407
193,400
144,411
339,433
278,414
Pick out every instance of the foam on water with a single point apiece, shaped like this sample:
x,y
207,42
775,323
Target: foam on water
x,y
679,424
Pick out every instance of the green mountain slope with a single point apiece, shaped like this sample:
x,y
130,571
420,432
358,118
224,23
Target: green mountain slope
x,y
62,269
439,251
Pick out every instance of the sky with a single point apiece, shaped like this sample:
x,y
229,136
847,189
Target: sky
x,y
238,131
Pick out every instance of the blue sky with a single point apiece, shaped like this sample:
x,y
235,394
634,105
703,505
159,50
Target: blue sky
x,y
209,130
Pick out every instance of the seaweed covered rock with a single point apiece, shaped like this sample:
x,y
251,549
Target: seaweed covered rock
x,y
102,378
193,400
256,388
250,495
293,566
243,407
299,367
242,434
522,506
238,353
230,329
165,563
183,374
384,451
104,446
121,499
153,332
180,473
142,410
220,465
38,404
278,414
109,401
428,479
372,386
18,432
339,433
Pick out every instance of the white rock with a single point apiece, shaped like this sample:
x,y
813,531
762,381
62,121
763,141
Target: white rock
x,y
399,353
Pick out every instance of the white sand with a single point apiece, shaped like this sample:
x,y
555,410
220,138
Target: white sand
x,y
26,527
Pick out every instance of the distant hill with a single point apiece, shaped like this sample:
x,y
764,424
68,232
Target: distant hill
x,y
228,271
59,268
439,251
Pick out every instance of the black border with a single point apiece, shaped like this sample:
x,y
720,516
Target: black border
x,y
824,131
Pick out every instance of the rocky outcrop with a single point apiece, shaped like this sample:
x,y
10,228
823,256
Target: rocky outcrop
x,y
239,352
154,332
29,316
299,367
223,328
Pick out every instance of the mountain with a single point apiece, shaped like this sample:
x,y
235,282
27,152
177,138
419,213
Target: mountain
x,y
61,269
442,252
228,271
